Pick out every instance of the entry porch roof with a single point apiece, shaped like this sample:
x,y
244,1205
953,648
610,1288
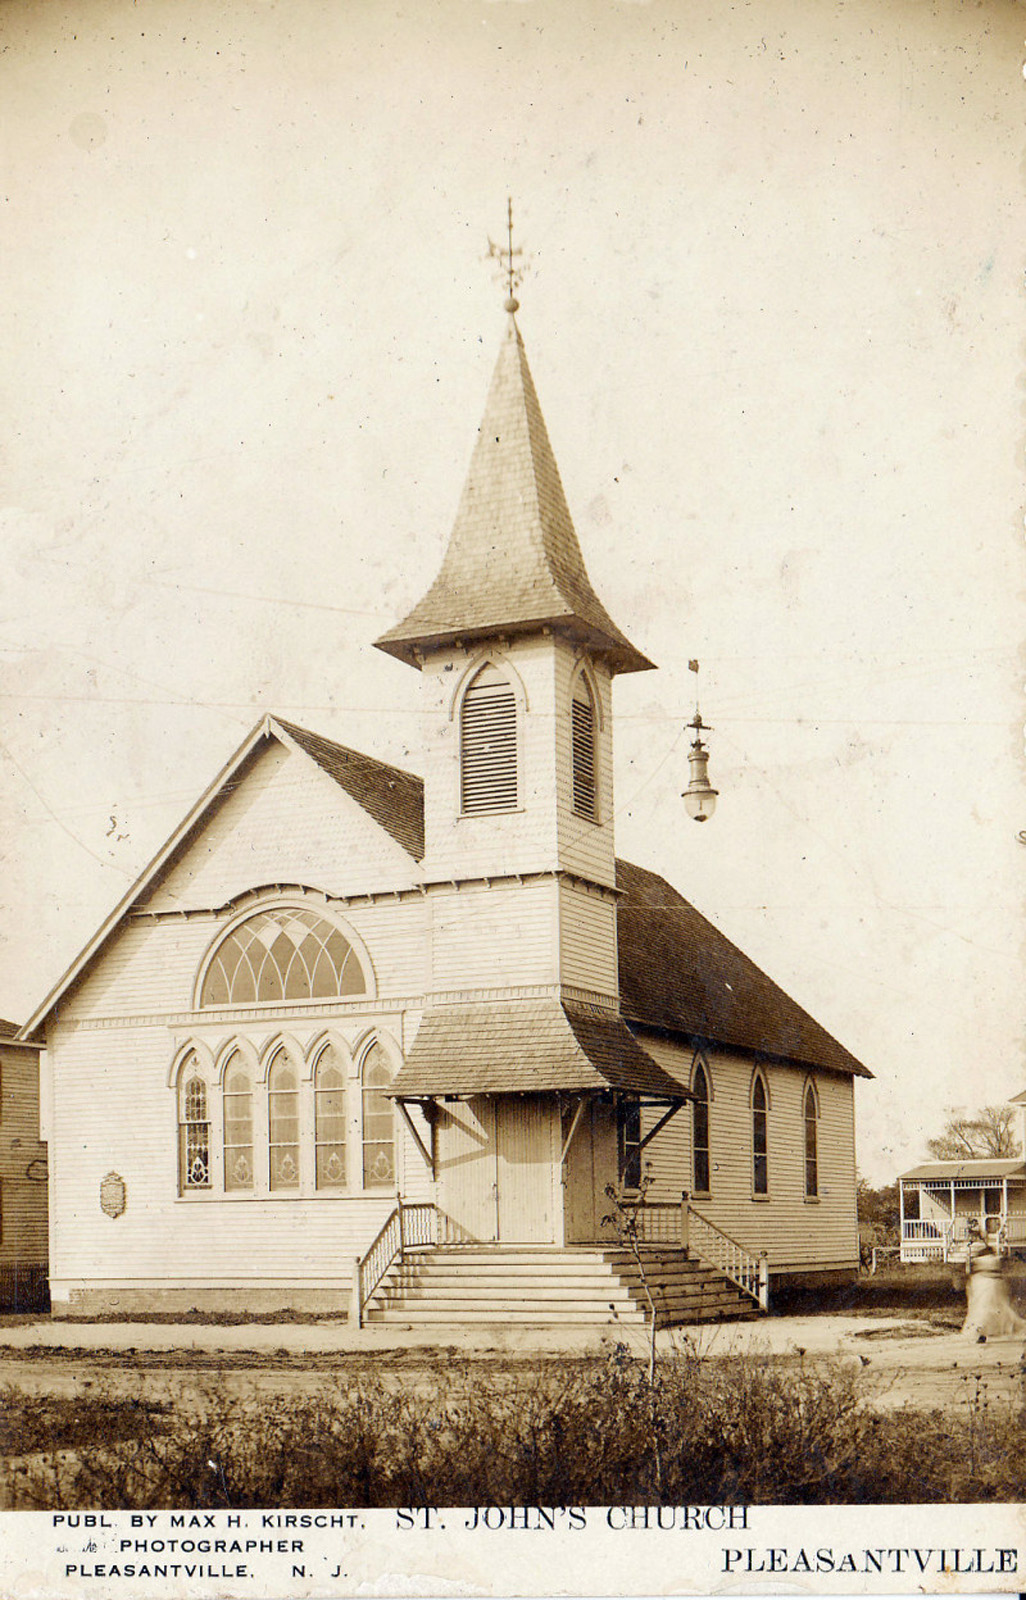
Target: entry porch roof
x,y
983,1171
528,1046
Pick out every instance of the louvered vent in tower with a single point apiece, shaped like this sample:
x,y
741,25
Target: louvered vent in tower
x,y
582,713
488,744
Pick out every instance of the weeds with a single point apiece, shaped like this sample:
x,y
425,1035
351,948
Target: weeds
x,y
697,1431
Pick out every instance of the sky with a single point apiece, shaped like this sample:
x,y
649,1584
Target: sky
x,y
773,312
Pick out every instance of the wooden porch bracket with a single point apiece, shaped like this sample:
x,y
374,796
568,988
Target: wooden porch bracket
x,y
418,1141
568,1141
661,1124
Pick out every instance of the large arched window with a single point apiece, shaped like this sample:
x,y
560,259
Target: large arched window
x,y
488,743
330,1119
811,1117
193,1127
378,1121
289,953
700,1131
760,1136
238,1123
283,1123
582,739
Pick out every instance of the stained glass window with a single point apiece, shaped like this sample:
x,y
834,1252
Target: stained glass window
x,y
284,954
760,1138
811,1163
330,1119
700,1131
378,1123
238,1124
193,1128
283,1123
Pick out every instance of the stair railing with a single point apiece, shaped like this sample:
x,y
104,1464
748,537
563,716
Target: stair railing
x,y
750,1272
408,1227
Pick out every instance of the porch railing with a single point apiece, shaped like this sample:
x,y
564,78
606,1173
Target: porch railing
x,y
410,1227
750,1272
939,1239
655,1221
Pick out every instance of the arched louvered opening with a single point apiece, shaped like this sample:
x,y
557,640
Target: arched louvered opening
x,y
238,1123
700,1132
811,1143
760,1137
378,1121
330,1119
193,1127
289,953
283,1123
582,734
488,744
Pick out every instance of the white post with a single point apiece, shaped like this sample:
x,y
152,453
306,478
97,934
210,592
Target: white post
x,y
764,1282
901,1219
355,1305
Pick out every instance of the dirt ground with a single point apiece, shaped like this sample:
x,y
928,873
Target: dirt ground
x,y
923,1361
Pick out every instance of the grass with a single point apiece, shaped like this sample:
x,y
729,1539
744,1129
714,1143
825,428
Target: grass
x,y
591,1432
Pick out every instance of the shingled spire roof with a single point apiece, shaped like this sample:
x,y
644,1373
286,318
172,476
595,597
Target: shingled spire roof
x,y
513,564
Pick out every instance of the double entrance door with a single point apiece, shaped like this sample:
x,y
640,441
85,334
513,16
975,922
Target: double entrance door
x,y
496,1158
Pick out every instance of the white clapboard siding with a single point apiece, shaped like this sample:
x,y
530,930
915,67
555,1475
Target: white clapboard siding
x,y
587,940
286,821
795,1232
23,1223
150,966
494,935
114,1112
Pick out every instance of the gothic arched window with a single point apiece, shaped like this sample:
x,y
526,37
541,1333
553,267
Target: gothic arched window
x,y
582,739
760,1136
811,1117
330,1119
488,743
289,953
238,1123
193,1127
283,1123
378,1121
700,1131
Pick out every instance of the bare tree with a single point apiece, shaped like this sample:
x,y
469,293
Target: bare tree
x,y
988,1133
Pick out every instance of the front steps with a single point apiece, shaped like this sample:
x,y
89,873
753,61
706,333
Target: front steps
x,y
465,1284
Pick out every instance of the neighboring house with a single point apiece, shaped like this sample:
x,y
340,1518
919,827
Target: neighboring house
x,y
23,1177
339,981
952,1196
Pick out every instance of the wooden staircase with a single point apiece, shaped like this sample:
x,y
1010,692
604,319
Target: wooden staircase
x,y
464,1284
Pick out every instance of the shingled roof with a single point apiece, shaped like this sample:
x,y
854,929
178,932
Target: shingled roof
x,y
680,974
513,564
528,1045
394,798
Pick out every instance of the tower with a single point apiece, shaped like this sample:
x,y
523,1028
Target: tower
x,y
518,655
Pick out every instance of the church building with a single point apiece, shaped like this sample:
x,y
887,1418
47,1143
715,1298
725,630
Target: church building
x,y
420,1047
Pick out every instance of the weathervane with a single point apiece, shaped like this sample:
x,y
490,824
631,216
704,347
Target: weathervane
x,y
507,257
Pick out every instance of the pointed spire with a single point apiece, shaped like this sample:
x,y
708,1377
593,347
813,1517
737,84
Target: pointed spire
x,y
513,565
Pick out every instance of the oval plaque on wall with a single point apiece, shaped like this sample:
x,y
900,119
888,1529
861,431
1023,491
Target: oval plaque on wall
x,y
113,1195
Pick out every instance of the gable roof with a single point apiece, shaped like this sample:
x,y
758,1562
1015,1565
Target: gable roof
x,y
513,563
394,798
678,973
681,974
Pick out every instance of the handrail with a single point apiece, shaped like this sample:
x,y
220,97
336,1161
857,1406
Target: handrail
x,y
406,1228
749,1272
656,1221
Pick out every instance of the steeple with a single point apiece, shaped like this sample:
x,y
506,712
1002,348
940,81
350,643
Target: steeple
x,y
513,565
